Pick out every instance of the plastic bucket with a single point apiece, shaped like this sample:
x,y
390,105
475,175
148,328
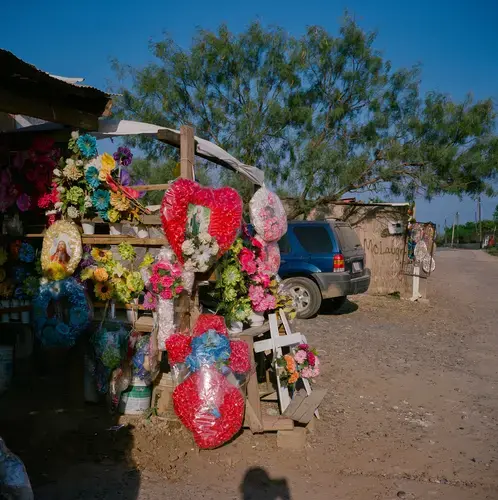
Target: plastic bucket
x,y
136,399
6,360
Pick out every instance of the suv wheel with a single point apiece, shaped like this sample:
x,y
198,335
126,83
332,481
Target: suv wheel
x,y
306,294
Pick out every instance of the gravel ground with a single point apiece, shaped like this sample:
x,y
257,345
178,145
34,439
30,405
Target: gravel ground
x,y
411,413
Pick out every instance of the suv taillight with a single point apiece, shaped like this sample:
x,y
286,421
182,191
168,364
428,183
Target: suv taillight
x,y
339,263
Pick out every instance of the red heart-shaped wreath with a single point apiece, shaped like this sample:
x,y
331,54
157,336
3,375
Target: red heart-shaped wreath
x,y
210,407
225,207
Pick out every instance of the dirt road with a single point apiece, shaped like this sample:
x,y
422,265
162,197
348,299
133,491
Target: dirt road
x,y
412,411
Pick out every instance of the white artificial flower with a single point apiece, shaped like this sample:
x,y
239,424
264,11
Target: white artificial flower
x,y
70,162
57,172
50,212
61,189
75,134
43,281
215,247
79,163
188,247
205,238
73,212
88,201
58,205
72,172
204,256
189,265
94,162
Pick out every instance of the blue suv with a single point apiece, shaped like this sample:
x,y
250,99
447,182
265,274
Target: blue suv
x,y
322,261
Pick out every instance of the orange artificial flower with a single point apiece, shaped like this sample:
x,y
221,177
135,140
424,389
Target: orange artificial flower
x,y
100,274
290,363
293,378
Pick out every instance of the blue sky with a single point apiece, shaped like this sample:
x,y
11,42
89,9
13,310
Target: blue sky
x,y
455,41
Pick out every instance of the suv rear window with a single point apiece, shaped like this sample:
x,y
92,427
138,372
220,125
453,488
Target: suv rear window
x,y
314,239
284,244
347,237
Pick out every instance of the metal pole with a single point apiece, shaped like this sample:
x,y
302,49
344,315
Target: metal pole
x,y
453,230
480,221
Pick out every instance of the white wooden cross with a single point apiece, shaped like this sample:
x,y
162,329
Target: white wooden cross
x,y
275,344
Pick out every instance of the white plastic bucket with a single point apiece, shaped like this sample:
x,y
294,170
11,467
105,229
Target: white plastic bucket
x,y
136,399
6,360
88,227
116,229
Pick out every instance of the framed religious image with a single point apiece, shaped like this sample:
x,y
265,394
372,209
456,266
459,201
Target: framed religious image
x,y
62,250
198,218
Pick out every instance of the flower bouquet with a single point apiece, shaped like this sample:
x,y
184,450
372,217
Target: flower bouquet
x,y
200,252
302,362
209,370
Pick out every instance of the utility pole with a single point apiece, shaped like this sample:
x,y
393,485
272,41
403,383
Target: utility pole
x,y
455,222
445,235
480,220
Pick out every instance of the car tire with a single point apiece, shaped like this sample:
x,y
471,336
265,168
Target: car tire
x,y
333,305
307,295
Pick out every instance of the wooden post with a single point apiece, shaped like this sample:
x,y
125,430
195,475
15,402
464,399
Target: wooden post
x,y
187,305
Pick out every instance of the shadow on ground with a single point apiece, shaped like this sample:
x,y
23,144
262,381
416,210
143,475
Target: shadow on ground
x,y
70,449
330,308
257,485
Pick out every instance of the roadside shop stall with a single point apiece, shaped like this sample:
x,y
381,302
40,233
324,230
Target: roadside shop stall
x,y
118,282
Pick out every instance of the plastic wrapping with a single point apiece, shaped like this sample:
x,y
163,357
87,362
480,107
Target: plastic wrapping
x,y
14,480
270,256
209,371
268,215
166,319
110,344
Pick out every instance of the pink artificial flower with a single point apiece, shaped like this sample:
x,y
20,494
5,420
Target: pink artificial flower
x,y
315,372
311,358
150,301
300,356
167,294
307,372
45,200
179,289
304,347
23,202
247,261
166,281
263,279
154,280
176,270
255,242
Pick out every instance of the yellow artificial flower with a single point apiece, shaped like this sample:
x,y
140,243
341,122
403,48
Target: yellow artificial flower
x,y
100,274
107,167
103,291
56,271
113,215
120,202
87,273
101,255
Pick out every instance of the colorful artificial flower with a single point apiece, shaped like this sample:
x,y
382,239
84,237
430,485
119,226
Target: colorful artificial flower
x,y
126,251
100,274
87,274
75,195
73,212
92,177
71,171
147,261
113,215
87,145
103,214
293,378
247,261
121,291
101,255
103,291
150,301
26,253
45,201
120,202
56,271
107,166
100,199
123,156
231,275
135,282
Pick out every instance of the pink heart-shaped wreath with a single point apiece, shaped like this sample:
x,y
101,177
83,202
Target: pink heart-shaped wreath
x,y
225,213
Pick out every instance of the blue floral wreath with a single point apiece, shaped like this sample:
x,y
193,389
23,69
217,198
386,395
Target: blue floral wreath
x,y
54,331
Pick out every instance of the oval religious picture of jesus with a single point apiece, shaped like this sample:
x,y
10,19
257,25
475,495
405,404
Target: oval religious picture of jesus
x,y
62,250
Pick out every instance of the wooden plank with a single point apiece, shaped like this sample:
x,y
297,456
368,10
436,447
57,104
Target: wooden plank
x,y
144,324
254,414
276,423
304,412
281,341
285,322
103,305
151,187
252,420
11,102
108,239
283,392
295,403
187,146
273,396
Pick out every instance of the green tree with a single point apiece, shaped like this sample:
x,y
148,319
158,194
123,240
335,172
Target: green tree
x,y
495,214
323,115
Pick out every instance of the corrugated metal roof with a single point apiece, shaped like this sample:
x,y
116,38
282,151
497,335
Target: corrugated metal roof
x,y
27,90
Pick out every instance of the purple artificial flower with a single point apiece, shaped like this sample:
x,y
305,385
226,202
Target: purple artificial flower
x,y
87,260
125,177
123,156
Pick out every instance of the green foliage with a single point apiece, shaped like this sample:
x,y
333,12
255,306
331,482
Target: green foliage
x,y
323,115
469,232
495,214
